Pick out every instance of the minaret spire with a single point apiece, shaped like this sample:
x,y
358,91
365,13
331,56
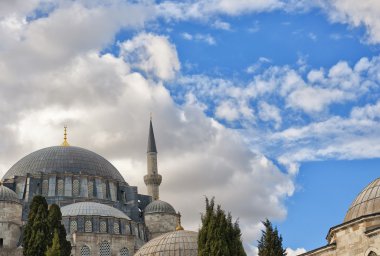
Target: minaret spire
x,y
65,143
152,179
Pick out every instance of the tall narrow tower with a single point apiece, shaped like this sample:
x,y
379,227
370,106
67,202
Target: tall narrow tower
x,y
152,179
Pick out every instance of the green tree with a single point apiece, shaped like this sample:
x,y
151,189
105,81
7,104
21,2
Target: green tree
x,y
219,236
54,249
270,243
36,233
55,224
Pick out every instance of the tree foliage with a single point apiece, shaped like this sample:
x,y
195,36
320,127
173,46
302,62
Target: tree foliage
x,y
54,249
41,227
270,243
54,220
36,230
219,236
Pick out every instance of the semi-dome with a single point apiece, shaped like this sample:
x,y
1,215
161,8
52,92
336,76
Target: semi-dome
x,y
64,159
159,206
92,209
366,203
179,242
8,195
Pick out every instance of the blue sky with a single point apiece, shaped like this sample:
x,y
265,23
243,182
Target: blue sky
x,y
272,106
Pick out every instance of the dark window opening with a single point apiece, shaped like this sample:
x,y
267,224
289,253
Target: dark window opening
x,y
1,242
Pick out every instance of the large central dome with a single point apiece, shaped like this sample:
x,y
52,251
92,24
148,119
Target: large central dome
x,y
63,159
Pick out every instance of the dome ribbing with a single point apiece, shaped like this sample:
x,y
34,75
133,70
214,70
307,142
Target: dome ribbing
x,y
159,206
92,209
60,160
174,243
8,195
366,203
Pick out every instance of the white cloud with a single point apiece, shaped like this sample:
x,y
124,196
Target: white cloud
x,y
291,252
106,100
204,9
153,54
205,38
222,25
269,112
356,13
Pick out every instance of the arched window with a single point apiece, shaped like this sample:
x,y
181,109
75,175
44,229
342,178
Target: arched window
x,y
105,249
88,226
90,185
85,251
124,252
116,227
45,187
372,253
103,226
76,187
104,190
73,226
60,188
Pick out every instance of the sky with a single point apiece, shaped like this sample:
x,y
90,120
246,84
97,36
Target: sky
x,y
271,106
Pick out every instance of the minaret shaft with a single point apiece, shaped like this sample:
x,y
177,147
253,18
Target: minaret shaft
x,y
152,179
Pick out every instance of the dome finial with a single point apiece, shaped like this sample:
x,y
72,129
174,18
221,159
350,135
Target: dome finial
x,y
65,143
179,227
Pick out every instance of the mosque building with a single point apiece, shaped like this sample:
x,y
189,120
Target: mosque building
x,y
359,234
102,214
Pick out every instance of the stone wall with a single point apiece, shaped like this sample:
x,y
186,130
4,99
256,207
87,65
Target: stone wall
x,y
160,223
356,239
10,224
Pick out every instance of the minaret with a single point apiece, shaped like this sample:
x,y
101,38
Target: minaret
x,y
152,179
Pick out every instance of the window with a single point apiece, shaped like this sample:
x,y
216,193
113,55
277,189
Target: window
x,y
372,254
1,242
85,251
105,249
90,188
103,226
73,226
60,187
88,226
104,190
124,252
116,227
76,187
45,187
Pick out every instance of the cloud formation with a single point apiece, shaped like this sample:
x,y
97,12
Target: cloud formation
x,y
69,77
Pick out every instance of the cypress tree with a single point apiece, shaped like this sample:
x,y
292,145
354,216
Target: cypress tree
x,y
55,224
270,243
219,236
54,249
36,232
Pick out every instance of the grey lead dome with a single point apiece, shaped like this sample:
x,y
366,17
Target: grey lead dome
x,y
159,206
59,159
8,195
366,203
176,243
92,209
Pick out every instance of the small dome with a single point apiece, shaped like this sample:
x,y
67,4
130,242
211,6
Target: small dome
x,y
7,194
367,202
159,206
92,209
180,242
60,159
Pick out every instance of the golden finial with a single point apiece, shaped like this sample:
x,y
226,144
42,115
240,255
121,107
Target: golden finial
x,y
179,227
65,143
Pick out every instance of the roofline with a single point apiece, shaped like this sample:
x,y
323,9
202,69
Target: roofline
x,y
344,224
323,248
